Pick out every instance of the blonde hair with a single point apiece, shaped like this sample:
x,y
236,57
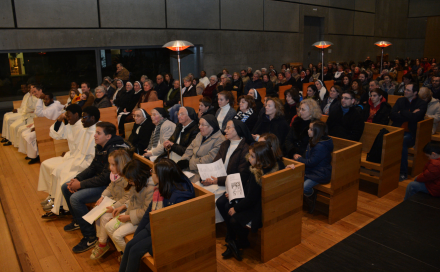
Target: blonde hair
x,y
122,158
314,108
278,105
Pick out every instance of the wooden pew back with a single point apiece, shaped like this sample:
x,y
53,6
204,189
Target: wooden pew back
x,y
399,76
234,94
281,196
128,127
183,235
370,132
262,92
17,104
305,86
392,99
44,141
423,137
62,98
149,106
329,84
281,90
346,159
192,101
109,115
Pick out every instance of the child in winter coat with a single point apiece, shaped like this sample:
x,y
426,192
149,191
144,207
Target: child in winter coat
x,y
317,161
117,161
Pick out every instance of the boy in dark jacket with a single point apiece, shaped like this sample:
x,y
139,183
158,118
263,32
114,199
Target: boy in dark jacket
x,y
406,113
88,185
346,122
428,181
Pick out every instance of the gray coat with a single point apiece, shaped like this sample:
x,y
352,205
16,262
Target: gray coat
x,y
229,116
115,190
137,203
104,103
198,153
166,130
434,112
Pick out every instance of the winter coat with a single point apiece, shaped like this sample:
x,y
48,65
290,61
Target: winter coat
x,y
202,153
403,112
433,111
141,140
237,162
115,190
237,85
318,161
257,84
190,91
298,138
162,90
382,116
186,138
277,126
98,172
336,103
349,126
251,121
103,103
166,130
270,88
137,202
173,99
209,90
431,177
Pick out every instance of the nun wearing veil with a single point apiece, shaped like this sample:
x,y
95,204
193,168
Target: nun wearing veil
x,y
233,153
142,129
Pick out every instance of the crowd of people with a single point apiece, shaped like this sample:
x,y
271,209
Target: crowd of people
x,y
250,136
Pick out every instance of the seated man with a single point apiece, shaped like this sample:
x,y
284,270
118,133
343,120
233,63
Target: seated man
x,y
346,122
51,110
121,73
435,88
88,185
407,111
79,159
14,115
428,181
27,116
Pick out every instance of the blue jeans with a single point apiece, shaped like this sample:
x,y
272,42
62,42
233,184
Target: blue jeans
x,y
135,249
308,187
408,141
77,206
415,187
174,110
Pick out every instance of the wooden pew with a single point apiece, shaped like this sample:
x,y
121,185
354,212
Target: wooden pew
x,y
45,143
128,127
262,92
392,99
418,159
16,104
62,98
384,174
192,101
183,235
234,94
281,195
109,115
341,194
399,76
281,90
328,84
149,106
375,76
436,137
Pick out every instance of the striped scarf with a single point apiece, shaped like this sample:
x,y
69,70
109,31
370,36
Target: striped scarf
x,y
154,140
243,116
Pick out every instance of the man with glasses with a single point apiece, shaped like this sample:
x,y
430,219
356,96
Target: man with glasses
x,y
346,122
161,87
406,113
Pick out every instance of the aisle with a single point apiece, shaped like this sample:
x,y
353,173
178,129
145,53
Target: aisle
x,y
45,246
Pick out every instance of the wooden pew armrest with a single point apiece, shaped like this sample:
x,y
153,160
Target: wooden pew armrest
x,y
369,165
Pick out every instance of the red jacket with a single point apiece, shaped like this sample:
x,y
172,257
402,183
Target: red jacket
x,y
431,177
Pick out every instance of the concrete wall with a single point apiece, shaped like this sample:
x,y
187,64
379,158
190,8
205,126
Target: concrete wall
x,y
233,33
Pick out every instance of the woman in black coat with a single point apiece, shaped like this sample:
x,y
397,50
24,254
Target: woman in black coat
x,y
270,88
292,101
333,101
142,129
187,116
272,121
246,111
237,84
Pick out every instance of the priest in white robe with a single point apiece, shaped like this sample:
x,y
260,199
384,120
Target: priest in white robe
x,y
14,115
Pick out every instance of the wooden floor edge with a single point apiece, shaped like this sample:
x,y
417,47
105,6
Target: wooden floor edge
x,y
7,231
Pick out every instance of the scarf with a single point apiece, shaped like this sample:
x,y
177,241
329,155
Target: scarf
x,y
97,100
327,106
154,140
113,177
157,202
243,116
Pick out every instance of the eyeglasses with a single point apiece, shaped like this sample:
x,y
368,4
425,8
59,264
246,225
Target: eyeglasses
x,y
85,117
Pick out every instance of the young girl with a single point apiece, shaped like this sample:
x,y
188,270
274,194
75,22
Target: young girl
x,y
172,187
240,212
117,161
318,161
135,201
74,97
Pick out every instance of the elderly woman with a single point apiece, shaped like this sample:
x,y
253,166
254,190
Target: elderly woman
x,y
142,129
233,153
162,132
297,139
204,148
333,101
209,90
101,99
257,99
118,92
185,132
148,93
200,87
272,121
247,112
226,111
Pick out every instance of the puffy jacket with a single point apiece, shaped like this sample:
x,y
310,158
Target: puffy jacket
x,y
98,172
431,177
318,161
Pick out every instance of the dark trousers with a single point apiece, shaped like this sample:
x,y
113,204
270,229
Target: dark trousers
x,y
135,250
235,229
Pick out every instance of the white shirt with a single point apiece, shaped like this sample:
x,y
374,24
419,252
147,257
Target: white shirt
x,y
234,144
221,116
205,81
50,112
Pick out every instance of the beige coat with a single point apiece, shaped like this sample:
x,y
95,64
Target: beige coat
x,y
434,112
137,203
198,153
115,190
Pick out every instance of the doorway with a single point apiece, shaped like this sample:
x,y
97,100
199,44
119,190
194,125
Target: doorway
x,y
313,32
